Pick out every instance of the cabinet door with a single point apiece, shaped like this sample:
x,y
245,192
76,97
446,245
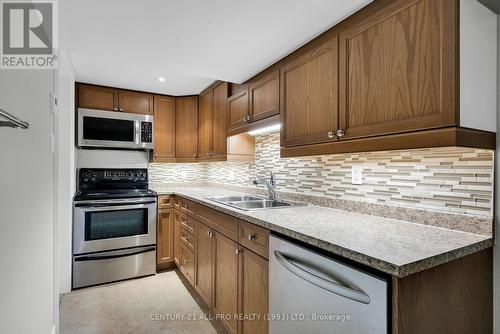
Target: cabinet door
x,y
398,70
226,280
177,237
97,97
309,96
165,236
135,102
253,292
264,97
164,128
205,124
237,109
186,127
186,265
204,263
219,137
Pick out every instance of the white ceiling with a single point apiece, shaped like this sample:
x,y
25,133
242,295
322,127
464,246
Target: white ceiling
x,y
130,43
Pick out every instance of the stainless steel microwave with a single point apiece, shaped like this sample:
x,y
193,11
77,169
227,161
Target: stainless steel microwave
x,y
117,130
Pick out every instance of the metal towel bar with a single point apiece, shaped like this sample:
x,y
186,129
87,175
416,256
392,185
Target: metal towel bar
x,y
12,121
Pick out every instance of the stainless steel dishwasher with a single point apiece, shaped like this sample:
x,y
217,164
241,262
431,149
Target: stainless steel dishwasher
x,y
311,293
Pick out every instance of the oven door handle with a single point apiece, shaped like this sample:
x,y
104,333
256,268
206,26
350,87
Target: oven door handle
x,y
112,207
114,254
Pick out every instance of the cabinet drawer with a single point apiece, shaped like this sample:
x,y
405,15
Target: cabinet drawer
x,y
186,265
187,223
187,207
219,221
177,203
254,237
186,238
165,202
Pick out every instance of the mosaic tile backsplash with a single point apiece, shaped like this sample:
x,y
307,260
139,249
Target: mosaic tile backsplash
x,y
452,179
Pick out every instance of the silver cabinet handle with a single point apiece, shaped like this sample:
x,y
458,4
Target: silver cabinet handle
x,y
121,109
251,236
328,285
340,133
238,251
115,109
331,135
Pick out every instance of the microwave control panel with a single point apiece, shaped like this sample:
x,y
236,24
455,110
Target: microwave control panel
x,y
146,132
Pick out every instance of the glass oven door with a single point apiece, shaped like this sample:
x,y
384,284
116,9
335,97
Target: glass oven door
x,y
111,225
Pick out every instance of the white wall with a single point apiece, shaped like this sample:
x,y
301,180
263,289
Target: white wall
x,y
478,60
496,249
111,159
65,167
26,205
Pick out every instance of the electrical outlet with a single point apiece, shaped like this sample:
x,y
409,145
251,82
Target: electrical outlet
x,y
183,175
357,174
231,174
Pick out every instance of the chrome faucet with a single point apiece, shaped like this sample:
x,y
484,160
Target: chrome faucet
x,y
270,184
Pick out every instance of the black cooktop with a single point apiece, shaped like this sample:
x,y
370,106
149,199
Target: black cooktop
x,y
112,183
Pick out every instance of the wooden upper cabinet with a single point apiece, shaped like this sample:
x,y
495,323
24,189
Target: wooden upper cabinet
x,y
237,109
165,236
164,128
97,97
186,127
135,102
219,122
264,97
113,99
205,123
309,96
398,70
226,280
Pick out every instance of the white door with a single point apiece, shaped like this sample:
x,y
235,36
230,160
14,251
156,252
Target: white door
x,y
26,204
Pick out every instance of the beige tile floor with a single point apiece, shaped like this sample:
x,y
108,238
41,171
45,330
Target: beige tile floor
x,y
127,307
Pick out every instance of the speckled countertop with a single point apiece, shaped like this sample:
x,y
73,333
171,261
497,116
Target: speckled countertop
x,y
392,246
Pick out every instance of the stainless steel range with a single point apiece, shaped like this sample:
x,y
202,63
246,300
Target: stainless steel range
x,y
114,226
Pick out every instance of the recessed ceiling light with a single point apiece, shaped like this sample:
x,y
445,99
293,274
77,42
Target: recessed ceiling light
x,y
161,79
267,129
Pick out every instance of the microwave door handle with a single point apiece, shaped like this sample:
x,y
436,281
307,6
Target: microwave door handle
x,y
326,284
113,208
137,132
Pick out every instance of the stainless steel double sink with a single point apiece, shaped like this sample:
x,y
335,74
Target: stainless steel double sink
x,y
251,203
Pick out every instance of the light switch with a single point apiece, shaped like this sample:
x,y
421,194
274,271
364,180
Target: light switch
x,y
357,174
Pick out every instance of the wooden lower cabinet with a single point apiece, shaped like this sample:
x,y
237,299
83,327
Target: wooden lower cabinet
x,y
229,278
226,280
165,237
204,277
187,263
253,284
177,234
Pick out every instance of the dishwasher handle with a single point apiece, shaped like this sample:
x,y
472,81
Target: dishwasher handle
x,y
329,285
